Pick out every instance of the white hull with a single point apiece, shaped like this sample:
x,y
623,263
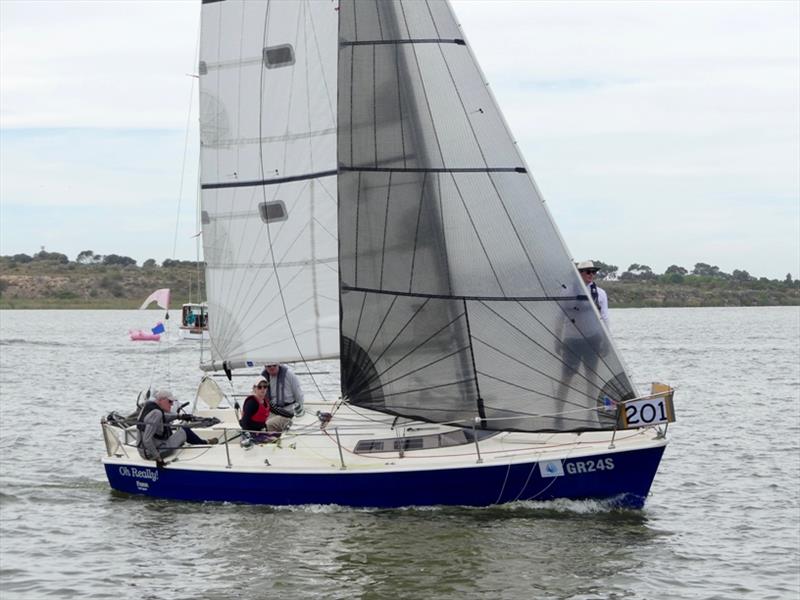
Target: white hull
x,y
193,333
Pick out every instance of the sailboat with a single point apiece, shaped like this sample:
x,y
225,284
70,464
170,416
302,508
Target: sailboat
x,y
363,201
194,321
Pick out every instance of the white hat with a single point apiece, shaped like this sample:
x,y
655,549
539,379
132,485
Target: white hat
x,y
164,395
587,265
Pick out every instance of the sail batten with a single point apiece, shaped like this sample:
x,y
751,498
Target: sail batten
x,y
267,182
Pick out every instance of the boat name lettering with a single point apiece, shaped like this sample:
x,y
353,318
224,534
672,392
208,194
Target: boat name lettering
x,y
148,473
590,466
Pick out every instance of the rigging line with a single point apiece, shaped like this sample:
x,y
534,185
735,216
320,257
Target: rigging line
x,y
378,17
478,399
581,298
185,152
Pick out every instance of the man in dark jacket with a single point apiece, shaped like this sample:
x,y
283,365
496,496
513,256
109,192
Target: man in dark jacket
x,y
157,440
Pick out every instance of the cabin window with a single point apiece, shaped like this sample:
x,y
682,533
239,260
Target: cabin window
x,y
278,56
272,211
203,68
204,218
422,442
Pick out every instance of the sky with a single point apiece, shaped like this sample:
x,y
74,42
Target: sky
x,y
659,133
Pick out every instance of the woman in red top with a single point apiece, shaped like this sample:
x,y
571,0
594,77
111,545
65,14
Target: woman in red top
x,y
256,408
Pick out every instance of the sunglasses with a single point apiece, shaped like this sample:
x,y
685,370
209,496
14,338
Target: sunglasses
x,y
262,387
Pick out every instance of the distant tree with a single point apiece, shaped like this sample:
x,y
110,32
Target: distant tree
x,y
707,270
675,269
21,258
168,262
788,278
51,256
637,272
150,263
114,259
605,271
85,257
742,276
3,286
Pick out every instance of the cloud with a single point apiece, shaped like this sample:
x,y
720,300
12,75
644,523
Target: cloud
x,y
658,132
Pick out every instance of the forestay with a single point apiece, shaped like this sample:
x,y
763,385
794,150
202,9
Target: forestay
x,y
268,184
459,298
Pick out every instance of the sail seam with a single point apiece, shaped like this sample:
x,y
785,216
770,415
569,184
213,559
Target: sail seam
x,y
265,182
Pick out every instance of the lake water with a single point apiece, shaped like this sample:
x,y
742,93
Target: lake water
x,y
722,521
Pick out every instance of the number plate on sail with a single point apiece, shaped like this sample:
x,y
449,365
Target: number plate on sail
x,y
652,410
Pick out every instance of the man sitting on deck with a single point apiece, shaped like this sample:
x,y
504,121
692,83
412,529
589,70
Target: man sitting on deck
x,y
157,440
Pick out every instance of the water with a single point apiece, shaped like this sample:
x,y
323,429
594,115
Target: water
x,y
723,519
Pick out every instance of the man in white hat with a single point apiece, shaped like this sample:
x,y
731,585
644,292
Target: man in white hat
x,y
598,294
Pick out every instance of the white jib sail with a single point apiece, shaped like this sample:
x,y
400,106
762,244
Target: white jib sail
x,y
268,179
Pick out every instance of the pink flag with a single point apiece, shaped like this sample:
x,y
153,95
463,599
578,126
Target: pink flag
x,y
160,297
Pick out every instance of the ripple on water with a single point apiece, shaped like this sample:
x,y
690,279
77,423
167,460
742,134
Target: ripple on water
x,y
722,519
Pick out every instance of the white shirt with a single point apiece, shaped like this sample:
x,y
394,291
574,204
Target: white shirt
x,y
602,300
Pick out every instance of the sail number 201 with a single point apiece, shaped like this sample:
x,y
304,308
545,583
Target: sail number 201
x,y
648,411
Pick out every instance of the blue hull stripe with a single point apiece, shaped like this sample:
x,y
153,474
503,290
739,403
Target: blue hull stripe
x,y
624,478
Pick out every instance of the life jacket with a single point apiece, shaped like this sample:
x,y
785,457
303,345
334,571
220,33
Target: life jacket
x,y
140,424
595,295
261,414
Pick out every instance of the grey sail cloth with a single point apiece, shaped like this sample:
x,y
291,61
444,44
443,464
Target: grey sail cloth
x,y
458,297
